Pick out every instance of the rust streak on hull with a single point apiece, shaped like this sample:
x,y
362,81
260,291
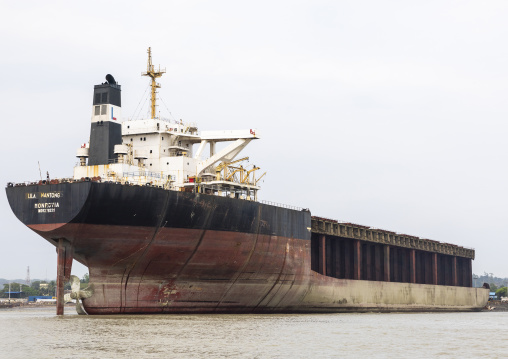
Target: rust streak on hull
x,y
224,274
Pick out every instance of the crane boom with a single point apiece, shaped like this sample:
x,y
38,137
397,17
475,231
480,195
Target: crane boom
x,y
224,165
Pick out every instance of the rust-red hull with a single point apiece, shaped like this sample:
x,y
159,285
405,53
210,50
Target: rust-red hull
x,y
149,250
186,271
135,270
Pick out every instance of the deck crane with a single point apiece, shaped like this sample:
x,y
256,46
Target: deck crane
x,y
224,165
246,178
256,182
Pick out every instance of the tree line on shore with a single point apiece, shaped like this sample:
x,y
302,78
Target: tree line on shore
x,y
497,285
48,288
37,288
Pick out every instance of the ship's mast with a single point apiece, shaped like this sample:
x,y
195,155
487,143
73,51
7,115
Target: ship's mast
x,y
150,71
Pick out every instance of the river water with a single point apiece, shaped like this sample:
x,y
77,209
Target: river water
x,y
39,333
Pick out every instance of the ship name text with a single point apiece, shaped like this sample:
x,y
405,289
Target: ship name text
x,y
39,195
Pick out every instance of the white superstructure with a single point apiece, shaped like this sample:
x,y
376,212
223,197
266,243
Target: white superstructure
x,y
171,154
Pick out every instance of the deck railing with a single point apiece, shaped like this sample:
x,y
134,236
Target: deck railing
x,y
282,205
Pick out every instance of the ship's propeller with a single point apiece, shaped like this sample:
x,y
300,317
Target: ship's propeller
x,y
77,293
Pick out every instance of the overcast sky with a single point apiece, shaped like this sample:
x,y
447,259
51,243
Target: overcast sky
x,y
391,114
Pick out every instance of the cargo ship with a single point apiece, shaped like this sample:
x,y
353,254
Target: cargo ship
x,y
163,228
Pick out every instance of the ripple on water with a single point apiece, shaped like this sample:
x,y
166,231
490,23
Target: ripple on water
x,y
38,333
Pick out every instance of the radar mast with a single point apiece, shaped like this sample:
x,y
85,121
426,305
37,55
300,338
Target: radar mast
x,y
150,71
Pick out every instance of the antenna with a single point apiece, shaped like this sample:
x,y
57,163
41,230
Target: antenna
x,y
40,173
27,280
150,71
